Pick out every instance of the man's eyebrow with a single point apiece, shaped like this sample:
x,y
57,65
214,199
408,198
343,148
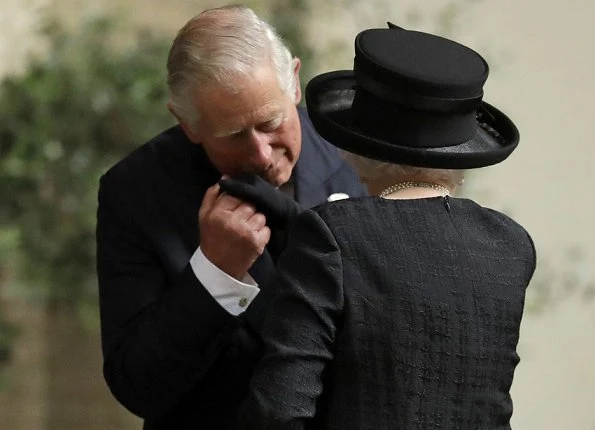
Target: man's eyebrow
x,y
281,115
230,132
275,117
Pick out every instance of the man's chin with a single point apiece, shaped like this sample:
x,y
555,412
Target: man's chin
x,y
277,179
277,176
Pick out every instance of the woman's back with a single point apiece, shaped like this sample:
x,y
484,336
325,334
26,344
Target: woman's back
x,y
401,313
433,293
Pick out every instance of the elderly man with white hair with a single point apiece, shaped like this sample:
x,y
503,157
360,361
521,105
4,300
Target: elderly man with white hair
x,y
183,267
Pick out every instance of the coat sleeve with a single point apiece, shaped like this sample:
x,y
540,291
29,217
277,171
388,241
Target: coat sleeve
x,y
299,330
159,336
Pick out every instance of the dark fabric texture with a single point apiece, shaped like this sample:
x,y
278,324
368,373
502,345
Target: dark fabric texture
x,y
399,315
172,355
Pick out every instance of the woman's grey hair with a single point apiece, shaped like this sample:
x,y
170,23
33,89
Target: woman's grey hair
x,y
221,44
373,170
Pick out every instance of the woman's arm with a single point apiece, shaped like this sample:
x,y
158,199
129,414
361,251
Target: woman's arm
x,y
299,330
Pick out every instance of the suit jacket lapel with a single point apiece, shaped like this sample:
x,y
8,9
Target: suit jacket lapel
x,y
313,168
186,174
309,189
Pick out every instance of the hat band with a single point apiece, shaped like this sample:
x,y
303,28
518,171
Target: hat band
x,y
409,127
401,94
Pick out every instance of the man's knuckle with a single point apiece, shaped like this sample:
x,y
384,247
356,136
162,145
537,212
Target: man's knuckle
x,y
253,237
260,219
247,209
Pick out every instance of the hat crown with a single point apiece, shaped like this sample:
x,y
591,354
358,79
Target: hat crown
x,y
412,98
420,64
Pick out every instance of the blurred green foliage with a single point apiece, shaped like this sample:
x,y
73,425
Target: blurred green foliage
x,y
94,97
89,102
8,333
287,17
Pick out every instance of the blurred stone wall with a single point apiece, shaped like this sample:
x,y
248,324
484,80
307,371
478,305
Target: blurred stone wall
x,y
54,378
540,61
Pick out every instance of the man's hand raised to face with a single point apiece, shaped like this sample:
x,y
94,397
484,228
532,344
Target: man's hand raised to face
x,y
232,233
280,209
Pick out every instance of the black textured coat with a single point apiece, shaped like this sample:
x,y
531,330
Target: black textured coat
x,y
396,315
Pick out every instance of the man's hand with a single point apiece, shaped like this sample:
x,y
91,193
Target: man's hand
x,y
232,233
278,207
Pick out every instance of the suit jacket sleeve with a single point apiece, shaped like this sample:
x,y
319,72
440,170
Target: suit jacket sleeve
x,y
299,331
160,334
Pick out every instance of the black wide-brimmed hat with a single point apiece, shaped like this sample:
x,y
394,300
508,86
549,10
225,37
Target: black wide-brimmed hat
x,y
412,98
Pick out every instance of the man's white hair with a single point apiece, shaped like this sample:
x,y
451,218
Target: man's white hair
x,y
219,45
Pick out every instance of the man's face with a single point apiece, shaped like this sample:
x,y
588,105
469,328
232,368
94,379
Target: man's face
x,y
255,129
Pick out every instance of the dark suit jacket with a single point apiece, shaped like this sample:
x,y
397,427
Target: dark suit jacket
x,y
172,355
399,315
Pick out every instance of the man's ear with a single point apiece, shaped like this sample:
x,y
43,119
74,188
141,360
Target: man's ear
x,y
188,130
296,73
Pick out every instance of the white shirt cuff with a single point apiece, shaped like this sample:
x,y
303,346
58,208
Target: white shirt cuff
x,y
233,295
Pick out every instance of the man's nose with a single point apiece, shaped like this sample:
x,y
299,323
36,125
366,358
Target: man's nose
x,y
260,151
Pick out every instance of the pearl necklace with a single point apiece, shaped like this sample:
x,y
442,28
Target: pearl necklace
x,y
402,185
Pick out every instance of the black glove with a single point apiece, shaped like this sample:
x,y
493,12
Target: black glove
x,y
278,208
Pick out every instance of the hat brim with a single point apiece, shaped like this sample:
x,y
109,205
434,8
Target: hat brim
x,y
329,98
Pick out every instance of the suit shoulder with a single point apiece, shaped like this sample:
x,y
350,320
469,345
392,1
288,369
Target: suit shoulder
x,y
143,161
315,145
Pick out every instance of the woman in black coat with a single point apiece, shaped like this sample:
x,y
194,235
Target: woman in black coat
x,y
401,310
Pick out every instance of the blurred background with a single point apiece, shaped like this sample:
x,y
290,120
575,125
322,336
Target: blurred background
x,y
82,84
